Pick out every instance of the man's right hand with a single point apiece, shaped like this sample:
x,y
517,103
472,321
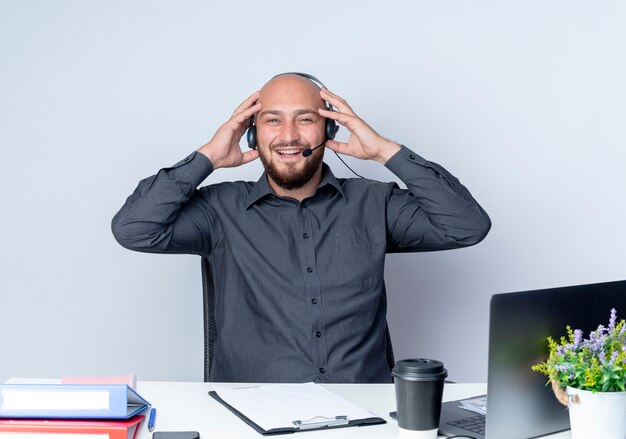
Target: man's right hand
x,y
223,149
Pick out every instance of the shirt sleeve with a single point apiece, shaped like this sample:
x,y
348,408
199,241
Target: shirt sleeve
x,y
436,212
164,215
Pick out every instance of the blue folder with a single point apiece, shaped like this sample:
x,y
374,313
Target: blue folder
x,y
70,401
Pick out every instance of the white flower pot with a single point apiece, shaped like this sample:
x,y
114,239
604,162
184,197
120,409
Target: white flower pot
x,y
597,415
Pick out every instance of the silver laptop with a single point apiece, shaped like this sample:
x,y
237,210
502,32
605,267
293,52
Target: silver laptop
x,y
519,405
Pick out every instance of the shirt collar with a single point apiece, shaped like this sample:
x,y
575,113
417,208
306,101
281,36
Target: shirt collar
x,y
262,187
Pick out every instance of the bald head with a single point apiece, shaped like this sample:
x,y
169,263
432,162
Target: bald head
x,y
289,91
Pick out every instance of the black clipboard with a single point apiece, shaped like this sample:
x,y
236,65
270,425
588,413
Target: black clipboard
x,y
301,425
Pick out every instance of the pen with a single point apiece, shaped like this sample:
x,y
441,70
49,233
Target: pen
x,y
151,419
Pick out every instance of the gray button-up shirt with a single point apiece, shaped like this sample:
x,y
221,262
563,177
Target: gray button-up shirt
x,y
300,294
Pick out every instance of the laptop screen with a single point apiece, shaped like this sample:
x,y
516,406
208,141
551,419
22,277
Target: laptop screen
x,y
519,404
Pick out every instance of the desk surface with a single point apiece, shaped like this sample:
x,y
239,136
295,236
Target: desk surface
x,y
187,406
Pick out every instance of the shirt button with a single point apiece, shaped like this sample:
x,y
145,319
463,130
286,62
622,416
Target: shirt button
x,y
412,156
305,235
318,334
314,301
322,370
309,269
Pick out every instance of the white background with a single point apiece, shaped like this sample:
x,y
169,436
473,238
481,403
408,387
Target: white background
x,y
524,101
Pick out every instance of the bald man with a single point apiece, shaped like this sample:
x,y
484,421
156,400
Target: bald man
x,y
298,256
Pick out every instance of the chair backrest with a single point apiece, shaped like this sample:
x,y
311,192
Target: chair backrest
x,y
391,361
210,330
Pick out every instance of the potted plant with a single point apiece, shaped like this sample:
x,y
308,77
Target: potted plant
x,y
588,375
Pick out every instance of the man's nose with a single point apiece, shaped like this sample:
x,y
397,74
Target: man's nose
x,y
289,133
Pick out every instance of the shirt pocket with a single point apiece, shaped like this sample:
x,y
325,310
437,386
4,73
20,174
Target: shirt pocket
x,y
359,255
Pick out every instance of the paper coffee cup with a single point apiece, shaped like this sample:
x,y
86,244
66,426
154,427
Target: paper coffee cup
x,y
419,390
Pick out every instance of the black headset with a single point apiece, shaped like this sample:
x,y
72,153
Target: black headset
x,y
331,127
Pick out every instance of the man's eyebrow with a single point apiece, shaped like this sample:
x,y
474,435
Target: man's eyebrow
x,y
280,113
305,111
275,112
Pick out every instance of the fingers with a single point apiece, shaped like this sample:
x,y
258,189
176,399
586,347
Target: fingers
x,y
250,100
343,118
338,147
241,116
248,156
243,112
340,104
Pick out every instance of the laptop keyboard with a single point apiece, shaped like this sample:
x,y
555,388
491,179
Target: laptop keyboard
x,y
475,424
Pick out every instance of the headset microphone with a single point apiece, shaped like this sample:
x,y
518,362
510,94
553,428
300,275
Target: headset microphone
x,y
307,152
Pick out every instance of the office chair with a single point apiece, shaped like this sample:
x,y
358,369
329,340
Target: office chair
x,y
210,330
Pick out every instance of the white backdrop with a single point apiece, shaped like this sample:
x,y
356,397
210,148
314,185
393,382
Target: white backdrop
x,y
524,101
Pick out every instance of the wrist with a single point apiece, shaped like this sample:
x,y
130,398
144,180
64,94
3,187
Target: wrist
x,y
206,151
388,150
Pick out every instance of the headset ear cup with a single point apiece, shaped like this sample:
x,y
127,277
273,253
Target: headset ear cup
x,y
251,134
331,129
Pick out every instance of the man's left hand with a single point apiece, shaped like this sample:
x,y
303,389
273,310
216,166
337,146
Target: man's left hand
x,y
364,143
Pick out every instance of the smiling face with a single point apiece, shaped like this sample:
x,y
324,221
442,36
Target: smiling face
x,y
287,124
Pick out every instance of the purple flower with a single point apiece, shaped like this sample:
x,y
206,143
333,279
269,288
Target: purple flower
x,y
613,319
578,338
562,367
594,344
597,339
613,358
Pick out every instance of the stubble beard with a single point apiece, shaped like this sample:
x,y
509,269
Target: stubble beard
x,y
292,178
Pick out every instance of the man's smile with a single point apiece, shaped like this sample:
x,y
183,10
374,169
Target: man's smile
x,y
288,151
